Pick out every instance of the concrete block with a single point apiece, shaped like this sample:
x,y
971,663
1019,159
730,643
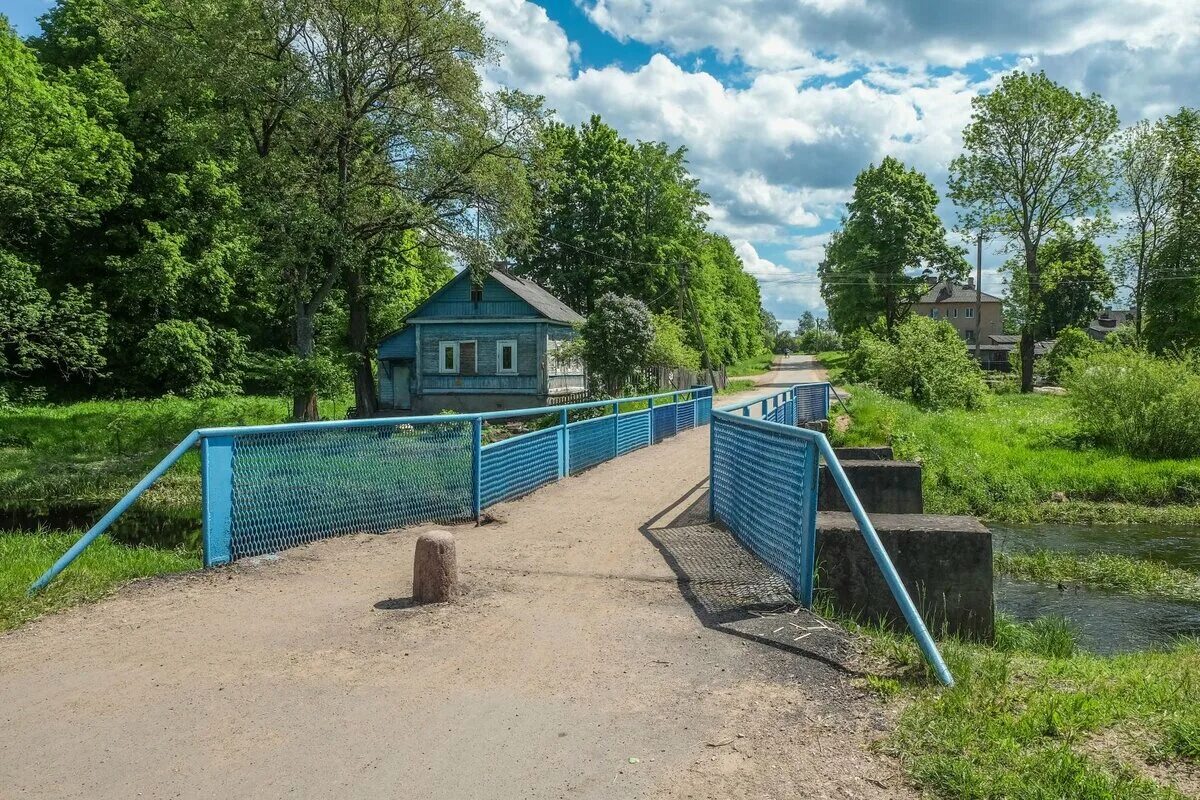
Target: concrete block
x,y
874,453
435,568
883,487
944,562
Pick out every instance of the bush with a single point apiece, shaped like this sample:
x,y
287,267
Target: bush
x,y
193,359
617,339
1137,403
927,363
817,340
669,348
1071,344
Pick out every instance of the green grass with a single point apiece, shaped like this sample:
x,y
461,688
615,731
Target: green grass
x,y
1005,462
1019,720
834,362
67,463
1103,570
735,386
101,568
754,365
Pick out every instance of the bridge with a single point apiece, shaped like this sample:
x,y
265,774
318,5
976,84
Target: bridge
x,y
612,642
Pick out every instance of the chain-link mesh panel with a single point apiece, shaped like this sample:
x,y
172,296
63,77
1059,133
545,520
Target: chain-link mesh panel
x,y
760,491
633,431
296,486
592,441
812,402
519,465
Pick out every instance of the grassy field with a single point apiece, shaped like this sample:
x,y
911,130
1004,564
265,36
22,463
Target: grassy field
x,y
755,365
1033,718
1006,462
101,568
735,385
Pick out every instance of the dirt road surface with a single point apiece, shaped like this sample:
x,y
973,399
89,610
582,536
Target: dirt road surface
x,y
603,650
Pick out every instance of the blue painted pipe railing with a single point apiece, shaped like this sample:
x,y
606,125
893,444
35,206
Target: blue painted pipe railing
x,y
217,458
116,511
737,413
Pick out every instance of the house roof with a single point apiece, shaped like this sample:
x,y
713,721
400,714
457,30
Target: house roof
x,y
542,301
947,292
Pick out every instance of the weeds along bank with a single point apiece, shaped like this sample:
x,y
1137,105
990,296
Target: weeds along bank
x,y
1032,717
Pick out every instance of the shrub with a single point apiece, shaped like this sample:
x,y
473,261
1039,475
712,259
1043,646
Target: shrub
x,y
927,363
193,359
1137,403
1071,344
617,339
669,348
818,340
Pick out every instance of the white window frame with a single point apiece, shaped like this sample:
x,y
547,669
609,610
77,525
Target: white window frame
x,y
954,313
442,347
934,314
969,313
500,345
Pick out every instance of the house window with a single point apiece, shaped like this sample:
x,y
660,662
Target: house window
x,y
968,313
506,357
934,313
954,312
449,360
476,293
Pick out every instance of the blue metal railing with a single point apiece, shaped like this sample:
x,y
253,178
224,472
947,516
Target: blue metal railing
x,y
265,488
763,487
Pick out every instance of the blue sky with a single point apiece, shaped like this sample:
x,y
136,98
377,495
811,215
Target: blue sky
x,y
781,102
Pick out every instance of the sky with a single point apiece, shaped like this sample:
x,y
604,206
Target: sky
x,y
780,103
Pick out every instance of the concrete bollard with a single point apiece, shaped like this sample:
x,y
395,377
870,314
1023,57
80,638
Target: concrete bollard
x,y
435,568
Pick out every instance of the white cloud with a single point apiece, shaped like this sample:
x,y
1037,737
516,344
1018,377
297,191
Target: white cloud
x,y
778,149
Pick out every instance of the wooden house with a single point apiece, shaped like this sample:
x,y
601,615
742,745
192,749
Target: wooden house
x,y
480,347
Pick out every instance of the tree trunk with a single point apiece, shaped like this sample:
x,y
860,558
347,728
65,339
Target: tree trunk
x,y
1031,315
360,345
304,403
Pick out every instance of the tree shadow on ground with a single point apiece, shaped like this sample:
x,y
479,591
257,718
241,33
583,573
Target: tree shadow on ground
x,y
731,591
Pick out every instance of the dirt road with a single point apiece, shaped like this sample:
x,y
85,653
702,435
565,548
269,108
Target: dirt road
x,y
604,649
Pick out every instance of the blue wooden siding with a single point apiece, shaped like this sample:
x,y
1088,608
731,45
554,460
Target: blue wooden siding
x,y
402,344
485,335
454,302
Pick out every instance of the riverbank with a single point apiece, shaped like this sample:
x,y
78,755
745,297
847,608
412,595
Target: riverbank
x,y
1018,459
1032,717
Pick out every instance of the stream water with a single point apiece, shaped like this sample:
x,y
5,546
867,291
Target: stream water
x,y
1107,622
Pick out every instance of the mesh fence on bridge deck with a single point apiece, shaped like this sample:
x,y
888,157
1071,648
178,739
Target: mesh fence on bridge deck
x,y
763,490
812,402
293,487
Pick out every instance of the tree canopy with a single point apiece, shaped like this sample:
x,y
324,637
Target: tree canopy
x,y
1035,155
891,241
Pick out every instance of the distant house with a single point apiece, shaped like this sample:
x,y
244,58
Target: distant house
x,y
955,304
1108,320
995,350
480,347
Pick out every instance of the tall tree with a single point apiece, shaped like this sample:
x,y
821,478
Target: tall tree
x,y
1173,291
369,119
1035,156
1143,187
1075,285
61,168
891,241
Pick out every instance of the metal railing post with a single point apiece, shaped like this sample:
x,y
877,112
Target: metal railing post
x,y
616,428
477,468
216,499
565,461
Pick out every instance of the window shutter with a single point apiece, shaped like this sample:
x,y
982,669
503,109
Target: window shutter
x,y
466,358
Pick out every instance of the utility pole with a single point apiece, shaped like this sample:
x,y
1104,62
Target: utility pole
x,y
978,290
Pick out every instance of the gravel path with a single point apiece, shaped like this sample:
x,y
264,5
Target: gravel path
x,y
604,649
